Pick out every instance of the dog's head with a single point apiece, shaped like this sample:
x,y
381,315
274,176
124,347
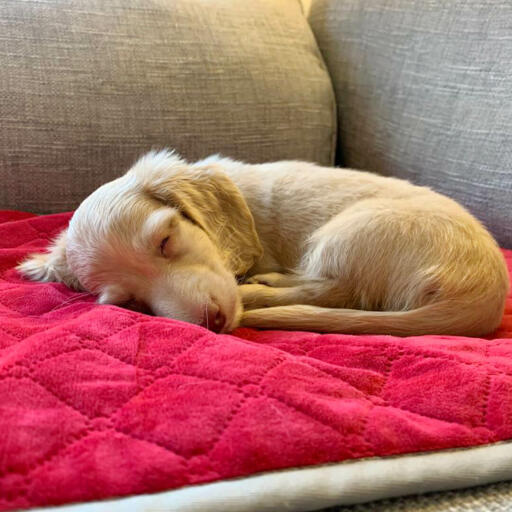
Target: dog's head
x,y
169,234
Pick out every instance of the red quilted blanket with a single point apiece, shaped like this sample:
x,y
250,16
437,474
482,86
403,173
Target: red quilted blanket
x,y
97,401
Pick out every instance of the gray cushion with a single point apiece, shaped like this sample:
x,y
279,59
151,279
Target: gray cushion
x,y
88,85
488,498
424,91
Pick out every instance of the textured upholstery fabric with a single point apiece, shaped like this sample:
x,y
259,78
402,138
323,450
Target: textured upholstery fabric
x,y
424,92
88,85
488,498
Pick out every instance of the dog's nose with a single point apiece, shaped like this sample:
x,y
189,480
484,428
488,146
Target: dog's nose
x,y
215,319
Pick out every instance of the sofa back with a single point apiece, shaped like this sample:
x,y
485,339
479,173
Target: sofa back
x,y
424,92
88,85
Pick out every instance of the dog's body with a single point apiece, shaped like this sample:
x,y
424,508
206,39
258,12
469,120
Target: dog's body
x,y
324,249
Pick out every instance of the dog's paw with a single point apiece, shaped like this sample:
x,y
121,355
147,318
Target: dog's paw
x,y
274,279
257,279
254,296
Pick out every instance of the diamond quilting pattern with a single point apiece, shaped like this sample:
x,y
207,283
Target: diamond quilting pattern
x,y
98,402
42,424
431,387
180,413
100,383
99,461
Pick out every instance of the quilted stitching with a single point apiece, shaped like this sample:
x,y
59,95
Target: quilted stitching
x,y
98,401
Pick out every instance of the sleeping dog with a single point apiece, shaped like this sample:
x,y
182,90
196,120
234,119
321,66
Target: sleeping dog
x,y
315,248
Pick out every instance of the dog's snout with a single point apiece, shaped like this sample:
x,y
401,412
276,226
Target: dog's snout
x,y
214,318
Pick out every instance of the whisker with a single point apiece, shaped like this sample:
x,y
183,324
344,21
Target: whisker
x,y
69,301
42,317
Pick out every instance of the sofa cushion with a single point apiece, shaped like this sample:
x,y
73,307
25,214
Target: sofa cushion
x,y
88,85
424,93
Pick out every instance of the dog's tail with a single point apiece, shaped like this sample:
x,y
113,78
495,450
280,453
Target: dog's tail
x,y
444,317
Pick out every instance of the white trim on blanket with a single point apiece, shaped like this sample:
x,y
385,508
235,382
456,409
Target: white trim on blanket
x,y
317,487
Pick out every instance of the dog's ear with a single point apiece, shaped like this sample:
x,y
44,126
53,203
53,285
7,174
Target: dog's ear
x,y
50,266
208,197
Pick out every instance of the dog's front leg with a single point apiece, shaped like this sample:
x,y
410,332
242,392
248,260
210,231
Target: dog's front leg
x,y
256,296
327,293
276,279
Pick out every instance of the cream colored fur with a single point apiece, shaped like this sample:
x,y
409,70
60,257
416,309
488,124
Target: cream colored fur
x,y
323,249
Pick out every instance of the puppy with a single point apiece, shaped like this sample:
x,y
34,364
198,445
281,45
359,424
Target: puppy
x,y
323,249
